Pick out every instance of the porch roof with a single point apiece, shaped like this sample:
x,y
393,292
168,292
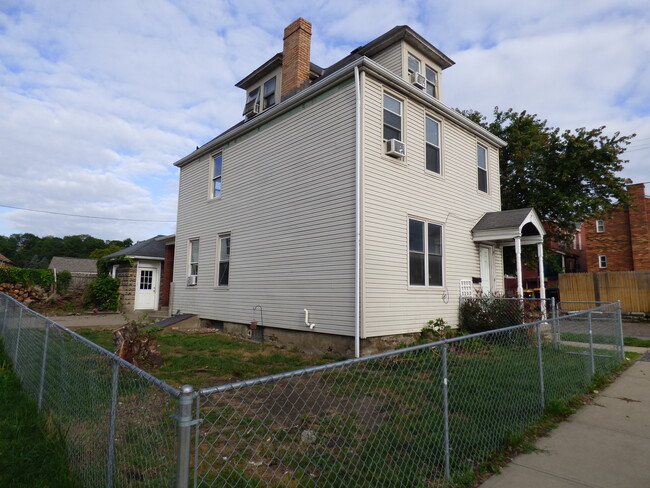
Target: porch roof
x,y
504,226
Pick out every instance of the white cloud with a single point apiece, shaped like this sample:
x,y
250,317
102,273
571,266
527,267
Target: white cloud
x,y
98,99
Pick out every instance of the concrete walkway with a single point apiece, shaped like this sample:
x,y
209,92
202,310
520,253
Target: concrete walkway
x,y
606,444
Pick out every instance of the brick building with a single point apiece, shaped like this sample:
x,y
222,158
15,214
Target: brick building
x,y
621,242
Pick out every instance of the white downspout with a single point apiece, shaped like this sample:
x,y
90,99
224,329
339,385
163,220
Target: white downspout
x,y
357,230
520,288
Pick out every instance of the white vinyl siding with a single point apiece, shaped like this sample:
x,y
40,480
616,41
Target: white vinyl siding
x,y
390,305
290,209
391,58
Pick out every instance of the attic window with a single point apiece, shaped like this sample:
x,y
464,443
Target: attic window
x,y
269,93
414,64
432,81
252,100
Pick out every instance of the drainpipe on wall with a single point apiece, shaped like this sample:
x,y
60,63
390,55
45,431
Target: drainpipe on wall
x,y
357,231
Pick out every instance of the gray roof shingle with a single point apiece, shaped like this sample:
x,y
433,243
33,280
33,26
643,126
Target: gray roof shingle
x,y
74,265
151,248
502,220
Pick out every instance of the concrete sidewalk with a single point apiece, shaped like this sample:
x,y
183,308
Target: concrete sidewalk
x,y
606,444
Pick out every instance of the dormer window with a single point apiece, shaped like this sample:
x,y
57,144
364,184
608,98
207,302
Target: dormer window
x,y
432,81
251,101
269,93
414,64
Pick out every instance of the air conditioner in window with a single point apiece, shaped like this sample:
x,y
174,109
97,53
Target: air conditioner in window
x,y
395,148
257,108
418,80
191,280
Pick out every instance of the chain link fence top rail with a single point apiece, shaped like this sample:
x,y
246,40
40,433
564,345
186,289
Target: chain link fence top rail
x,y
118,421
423,416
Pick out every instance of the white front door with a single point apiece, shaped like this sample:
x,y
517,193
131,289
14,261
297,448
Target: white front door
x,y
146,287
485,255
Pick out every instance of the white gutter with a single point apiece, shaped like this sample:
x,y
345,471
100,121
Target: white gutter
x,y
357,232
367,65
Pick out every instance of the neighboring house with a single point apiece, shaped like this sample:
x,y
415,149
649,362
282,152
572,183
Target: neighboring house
x,y
343,208
621,242
83,270
5,262
145,274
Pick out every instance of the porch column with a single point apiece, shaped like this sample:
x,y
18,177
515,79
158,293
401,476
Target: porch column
x,y
520,287
540,256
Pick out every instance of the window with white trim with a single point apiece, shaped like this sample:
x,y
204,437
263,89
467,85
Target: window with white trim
x,y
481,160
413,64
432,81
602,261
392,118
217,166
193,257
425,253
432,145
600,226
223,268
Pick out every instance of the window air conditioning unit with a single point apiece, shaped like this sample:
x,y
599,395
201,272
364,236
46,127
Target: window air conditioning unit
x,y
257,108
418,80
395,148
191,280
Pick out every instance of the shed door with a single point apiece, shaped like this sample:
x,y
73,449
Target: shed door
x,y
146,288
486,268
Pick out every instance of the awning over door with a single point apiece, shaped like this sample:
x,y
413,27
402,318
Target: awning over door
x,y
517,228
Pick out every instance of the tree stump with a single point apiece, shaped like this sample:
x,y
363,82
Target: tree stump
x,y
137,348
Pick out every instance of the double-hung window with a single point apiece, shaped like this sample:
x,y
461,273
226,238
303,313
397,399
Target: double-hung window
x,y
413,64
425,253
432,80
600,226
481,158
433,145
392,118
602,261
217,164
223,271
194,258
269,93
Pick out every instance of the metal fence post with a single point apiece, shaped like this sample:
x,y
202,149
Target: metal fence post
x,y
621,340
185,423
112,421
20,323
540,365
555,323
591,345
445,408
41,384
4,320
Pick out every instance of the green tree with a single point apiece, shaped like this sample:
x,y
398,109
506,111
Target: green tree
x,y
105,251
568,177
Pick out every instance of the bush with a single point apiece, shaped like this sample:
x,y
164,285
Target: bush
x,y
27,277
63,279
103,293
486,312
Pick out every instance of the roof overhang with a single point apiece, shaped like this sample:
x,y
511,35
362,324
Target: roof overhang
x,y
506,226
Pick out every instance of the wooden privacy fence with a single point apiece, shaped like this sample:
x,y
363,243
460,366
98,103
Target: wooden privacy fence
x,y
632,288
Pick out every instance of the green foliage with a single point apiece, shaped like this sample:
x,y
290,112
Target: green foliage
x,y
63,279
485,312
110,249
568,177
435,330
30,251
28,277
103,293
104,265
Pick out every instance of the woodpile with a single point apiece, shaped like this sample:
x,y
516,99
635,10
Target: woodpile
x,y
22,293
136,348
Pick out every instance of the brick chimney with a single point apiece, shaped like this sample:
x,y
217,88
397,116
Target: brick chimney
x,y
639,214
295,59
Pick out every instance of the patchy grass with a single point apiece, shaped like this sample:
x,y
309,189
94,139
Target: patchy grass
x,y
636,342
604,339
31,454
209,358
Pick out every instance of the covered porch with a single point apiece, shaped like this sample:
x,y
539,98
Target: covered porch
x,y
520,227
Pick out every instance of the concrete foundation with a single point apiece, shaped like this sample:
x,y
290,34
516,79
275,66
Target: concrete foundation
x,y
310,342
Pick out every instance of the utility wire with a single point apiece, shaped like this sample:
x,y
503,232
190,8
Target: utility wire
x,y
85,216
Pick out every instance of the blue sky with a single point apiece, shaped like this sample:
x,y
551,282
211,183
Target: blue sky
x,y
99,98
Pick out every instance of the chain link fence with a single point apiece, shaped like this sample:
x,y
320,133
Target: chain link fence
x,y
118,421
423,416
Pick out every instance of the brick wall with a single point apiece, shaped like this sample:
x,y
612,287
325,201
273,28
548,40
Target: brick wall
x,y
296,57
626,239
